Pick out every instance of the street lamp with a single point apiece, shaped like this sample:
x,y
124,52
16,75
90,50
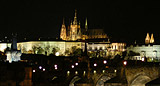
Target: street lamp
x,y
95,64
76,64
72,66
40,67
44,69
105,62
55,67
124,62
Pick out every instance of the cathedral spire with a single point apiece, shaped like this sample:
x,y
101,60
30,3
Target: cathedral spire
x,y
75,13
75,18
86,25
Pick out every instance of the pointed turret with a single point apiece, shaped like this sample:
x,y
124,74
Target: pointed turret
x,y
63,31
152,38
147,39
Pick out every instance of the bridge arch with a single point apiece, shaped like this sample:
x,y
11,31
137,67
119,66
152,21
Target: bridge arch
x,y
140,80
73,80
103,78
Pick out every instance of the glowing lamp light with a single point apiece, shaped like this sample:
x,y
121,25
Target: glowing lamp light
x,y
115,71
57,53
103,71
40,67
34,71
94,71
72,66
143,59
84,72
125,62
55,66
44,69
76,72
95,64
68,72
105,62
76,64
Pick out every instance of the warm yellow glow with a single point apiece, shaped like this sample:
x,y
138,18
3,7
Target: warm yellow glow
x,y
94,71
68,72
76,72
84,73
115,71
107,66
103,71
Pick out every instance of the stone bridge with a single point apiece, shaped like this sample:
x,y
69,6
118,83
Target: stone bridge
x,y
98,76
134,74
140,75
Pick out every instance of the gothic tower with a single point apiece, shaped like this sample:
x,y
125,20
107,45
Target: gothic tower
x,y
152,38
147,39
75,30
63,31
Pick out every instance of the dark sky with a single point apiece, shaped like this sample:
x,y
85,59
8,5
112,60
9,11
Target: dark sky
x,y
127,20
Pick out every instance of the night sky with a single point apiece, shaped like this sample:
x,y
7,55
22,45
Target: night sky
x,y
122,20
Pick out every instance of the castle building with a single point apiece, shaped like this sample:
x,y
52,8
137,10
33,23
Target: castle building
x,y
73,35
148,50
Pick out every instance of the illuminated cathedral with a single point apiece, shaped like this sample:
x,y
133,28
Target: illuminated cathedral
x,y
74,31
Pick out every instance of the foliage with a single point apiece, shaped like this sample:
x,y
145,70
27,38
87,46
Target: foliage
x,y
40,50
34,48
67,52
76,51
131,53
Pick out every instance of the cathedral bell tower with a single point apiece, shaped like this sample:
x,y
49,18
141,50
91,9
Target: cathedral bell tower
x,y
75,30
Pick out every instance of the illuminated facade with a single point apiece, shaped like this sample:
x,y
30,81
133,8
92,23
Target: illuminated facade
x,y
100,49
149,50
47,47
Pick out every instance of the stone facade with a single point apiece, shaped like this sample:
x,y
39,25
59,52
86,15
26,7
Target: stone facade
x,y
149,51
